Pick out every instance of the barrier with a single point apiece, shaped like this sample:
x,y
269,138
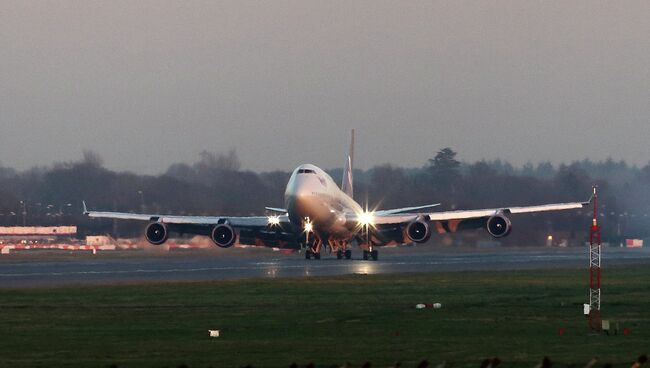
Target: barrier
x,y
8,248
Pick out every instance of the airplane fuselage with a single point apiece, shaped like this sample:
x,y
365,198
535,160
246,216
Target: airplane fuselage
x,y
312,196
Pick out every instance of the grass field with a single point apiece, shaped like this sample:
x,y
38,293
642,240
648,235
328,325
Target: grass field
x,y
329,321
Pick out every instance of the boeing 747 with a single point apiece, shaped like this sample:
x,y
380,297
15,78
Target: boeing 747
x,y
318,214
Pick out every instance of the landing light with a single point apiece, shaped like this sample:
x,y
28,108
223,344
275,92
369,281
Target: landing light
x,y
366,218
274,220
308,227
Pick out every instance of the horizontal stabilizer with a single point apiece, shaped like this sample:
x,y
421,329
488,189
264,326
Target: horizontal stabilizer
x,y
275,209
407,209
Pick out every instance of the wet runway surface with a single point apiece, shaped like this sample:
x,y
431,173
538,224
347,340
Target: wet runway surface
x,y
33,270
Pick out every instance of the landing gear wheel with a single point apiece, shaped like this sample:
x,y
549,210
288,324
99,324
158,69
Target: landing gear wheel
x,y
316,255
348,254
308,254
374,254
365,255
339,254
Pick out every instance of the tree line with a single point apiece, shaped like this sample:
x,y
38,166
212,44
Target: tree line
x,y
216,185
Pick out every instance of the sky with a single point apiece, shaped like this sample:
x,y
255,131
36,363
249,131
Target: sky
x,y
149,83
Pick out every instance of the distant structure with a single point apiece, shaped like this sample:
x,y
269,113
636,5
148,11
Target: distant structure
x,y
634,243
36,234
594,317
99,240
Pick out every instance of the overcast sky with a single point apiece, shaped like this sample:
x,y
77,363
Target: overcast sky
x,y
149,83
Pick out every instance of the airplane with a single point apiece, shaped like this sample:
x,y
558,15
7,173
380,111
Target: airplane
x,y
319,215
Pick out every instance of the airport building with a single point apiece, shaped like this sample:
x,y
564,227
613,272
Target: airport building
x,y
37,234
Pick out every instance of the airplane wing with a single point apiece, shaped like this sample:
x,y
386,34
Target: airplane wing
x,y
397,228
271,231
397,217
407,214
192,220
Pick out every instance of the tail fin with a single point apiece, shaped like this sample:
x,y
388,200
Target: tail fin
x,y
346,186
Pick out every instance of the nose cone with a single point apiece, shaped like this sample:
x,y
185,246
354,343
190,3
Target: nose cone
x,y
303,183
299,189
303,190
301,195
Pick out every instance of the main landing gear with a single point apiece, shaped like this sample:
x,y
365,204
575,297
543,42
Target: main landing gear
x,y
340,254
372,254
347,254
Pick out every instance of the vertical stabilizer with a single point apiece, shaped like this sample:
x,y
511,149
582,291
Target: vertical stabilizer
x,y
346,186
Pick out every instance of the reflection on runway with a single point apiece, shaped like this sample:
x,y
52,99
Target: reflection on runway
x,y
37,270
365,268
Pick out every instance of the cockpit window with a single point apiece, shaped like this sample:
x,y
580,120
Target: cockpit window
x,y
306,171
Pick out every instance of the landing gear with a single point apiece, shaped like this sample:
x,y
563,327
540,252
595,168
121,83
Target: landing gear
x,y
373,254
344,253
314,246
309,254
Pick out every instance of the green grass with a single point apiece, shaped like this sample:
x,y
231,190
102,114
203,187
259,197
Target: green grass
x,y
331,320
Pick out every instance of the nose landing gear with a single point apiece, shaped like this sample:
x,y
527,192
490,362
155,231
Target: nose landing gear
x,y
309,254
312,246
314,249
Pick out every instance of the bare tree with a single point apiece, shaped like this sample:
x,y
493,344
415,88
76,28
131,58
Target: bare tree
x,y
92,158
211,161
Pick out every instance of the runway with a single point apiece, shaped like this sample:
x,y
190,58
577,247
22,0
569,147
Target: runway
x,y
39,270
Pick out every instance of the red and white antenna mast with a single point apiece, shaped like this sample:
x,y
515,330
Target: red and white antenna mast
x,y
595,322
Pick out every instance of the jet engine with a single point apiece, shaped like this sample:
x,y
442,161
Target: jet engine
x,y
156,233
419,230
223,235
499,225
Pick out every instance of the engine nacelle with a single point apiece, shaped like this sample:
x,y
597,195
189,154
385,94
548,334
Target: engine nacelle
x,y
223,235
156,233
499,225
419,230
